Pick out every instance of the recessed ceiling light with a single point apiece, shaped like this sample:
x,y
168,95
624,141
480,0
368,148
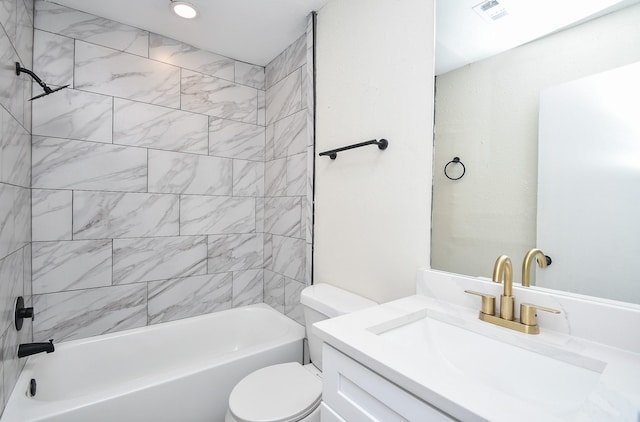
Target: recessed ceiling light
x,y
184,9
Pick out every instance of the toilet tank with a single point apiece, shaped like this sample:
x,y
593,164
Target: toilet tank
x,y
323,301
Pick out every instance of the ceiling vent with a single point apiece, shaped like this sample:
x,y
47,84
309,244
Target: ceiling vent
x,y
490,10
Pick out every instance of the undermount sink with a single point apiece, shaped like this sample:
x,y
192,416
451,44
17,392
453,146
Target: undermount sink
x,y
559,384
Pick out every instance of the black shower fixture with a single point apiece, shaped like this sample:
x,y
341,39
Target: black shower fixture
x,y
47,90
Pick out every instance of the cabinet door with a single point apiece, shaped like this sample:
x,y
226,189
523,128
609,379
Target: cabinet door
x,y
356,393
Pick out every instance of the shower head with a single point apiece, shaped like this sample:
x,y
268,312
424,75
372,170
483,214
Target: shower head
x,y
47,90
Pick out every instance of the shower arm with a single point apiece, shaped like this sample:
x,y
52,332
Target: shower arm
x,y
20,69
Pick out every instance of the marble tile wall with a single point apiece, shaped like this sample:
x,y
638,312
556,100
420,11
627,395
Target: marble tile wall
x,y
288,206
156,192
147,176
16,45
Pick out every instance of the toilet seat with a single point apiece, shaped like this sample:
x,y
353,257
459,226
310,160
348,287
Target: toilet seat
x,y
280,393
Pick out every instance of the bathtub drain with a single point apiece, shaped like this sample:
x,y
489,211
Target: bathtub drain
x,y
32,387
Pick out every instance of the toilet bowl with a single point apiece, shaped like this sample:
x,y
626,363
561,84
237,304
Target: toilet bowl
x,y
291,392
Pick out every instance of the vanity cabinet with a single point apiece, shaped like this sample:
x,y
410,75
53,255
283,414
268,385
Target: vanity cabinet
x,y
353,392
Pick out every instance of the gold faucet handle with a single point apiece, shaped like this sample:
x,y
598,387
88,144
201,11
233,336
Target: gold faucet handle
x,y
528,313
488,302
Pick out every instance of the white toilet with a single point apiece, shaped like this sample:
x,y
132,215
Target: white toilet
x,y
291,392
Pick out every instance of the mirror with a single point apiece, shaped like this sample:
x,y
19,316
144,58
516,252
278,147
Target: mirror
x,y
487,114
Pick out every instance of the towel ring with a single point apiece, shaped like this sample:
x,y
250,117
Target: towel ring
x,y
456,160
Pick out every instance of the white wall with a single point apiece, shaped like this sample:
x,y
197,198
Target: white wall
x,y
487,114
372,208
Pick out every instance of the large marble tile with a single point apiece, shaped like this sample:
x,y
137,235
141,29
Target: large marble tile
x,y
158,258
22,217
282,216
290,135
174,52
7,229
259,214
285,97
24,35
11,273
274,290
8,18
96,30
262,107
53,58
98,215
15,218
11,85
234,252
27,272
51,214
288,256
228,138
275,177
308,275
71,265
64,164
73,114
106,71
15,152
297,174
186,297
216,215
218,97
292,306
286,62
84,313
249,74
248,178
247,287
151,126
174,172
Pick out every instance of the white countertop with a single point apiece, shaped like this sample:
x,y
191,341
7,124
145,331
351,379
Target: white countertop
x,y
616,395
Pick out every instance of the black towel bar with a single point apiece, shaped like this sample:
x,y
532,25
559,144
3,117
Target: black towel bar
x,y
382,144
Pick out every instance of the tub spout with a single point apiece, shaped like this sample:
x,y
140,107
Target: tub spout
x,y
28,349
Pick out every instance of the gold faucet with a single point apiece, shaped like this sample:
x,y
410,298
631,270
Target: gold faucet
x,y
503,272
528,262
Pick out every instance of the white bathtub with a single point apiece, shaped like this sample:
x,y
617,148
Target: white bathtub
x,y
176,371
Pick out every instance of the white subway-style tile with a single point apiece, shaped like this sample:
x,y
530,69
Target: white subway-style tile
x,y
150,126
99,215
73,23
174,52
73,114
71,265
65,164
106,71
51,214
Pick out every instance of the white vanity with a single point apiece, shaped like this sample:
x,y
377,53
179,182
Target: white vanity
x,y
429,358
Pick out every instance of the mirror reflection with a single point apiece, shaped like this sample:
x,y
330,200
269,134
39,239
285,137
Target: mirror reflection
x,y
488,113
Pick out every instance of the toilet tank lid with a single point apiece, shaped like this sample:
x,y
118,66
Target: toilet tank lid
x,y
333,301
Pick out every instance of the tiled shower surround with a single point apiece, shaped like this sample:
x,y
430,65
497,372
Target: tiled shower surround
x,y
16,45
167,181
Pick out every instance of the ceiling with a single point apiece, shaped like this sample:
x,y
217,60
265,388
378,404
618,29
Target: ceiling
x,y
254,31
463,36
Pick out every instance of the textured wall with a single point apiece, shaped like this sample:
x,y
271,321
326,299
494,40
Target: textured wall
x,y
374,80
149,179
16,45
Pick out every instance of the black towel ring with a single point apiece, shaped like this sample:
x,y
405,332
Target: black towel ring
x,y
456,160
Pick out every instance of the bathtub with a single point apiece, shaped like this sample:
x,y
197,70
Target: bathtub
x,y
177,371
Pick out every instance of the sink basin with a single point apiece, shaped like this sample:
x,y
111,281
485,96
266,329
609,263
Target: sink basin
x,y
557,381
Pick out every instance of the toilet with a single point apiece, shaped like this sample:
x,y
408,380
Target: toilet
x,y
291,392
